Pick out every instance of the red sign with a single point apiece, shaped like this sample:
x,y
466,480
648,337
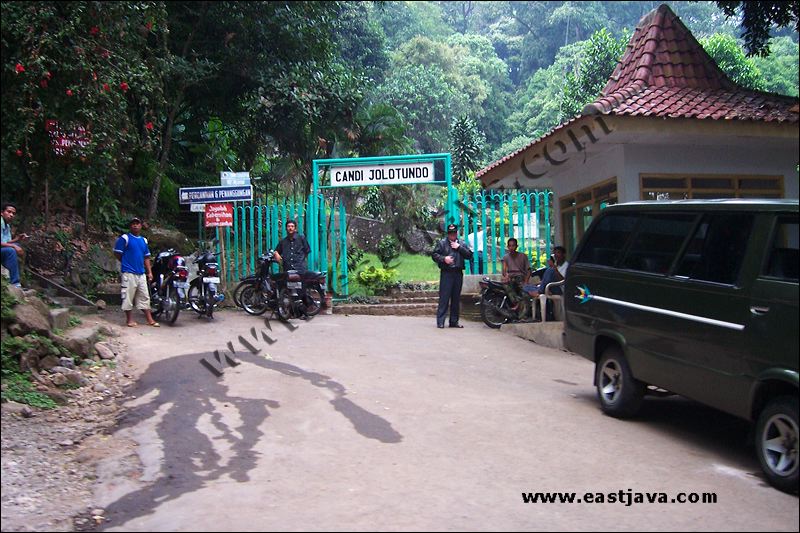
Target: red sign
x,y
66,140
218,215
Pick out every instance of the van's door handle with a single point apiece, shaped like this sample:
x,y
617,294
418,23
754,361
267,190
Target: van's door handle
x,y
759,309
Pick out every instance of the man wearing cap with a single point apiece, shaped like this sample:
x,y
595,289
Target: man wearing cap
x,y
450,254
134,255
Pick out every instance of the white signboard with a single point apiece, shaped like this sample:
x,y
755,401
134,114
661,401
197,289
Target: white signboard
x,y
197,208
391,174
234,179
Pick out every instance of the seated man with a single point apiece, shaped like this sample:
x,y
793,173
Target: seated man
x,y
11,251
516,273
556,271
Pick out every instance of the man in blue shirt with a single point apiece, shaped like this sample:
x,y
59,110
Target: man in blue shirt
x,y
11,251
132,251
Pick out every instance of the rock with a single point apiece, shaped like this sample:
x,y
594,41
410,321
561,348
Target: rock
x,y
108,331
59,379
17,293
59,318
100,304
104,351
40,306
66,442
60,370
29,361
57,396
79,341
67,362
49,362
76,378
14,407
99,387
104,258
30,320
160,239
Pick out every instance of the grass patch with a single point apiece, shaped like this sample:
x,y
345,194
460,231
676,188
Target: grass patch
x,y
411,268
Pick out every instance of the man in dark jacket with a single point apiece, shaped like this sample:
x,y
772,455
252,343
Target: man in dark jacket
x,y
450,254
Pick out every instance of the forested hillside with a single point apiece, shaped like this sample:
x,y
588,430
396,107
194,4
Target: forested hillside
x,y
127,101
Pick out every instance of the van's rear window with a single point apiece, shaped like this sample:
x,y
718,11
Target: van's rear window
x,y
607,239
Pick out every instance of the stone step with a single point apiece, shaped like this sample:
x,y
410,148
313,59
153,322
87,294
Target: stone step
x,y
408,299
413,294
415,309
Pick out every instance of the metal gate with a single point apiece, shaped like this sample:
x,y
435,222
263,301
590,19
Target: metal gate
x,y
486,220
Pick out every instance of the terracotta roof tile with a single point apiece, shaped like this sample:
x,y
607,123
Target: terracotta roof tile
x,y
663,54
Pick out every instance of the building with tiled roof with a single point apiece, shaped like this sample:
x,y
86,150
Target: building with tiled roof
x,y
669,124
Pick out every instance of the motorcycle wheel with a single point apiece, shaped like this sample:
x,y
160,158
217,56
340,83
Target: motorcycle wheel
x,y
211,301
194,299
491,313
252,301
171,304
155,308
237,292
314,299
284,305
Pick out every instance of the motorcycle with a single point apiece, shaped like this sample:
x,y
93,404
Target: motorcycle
x,y
258,292
300,294
496,306
203,290
168,290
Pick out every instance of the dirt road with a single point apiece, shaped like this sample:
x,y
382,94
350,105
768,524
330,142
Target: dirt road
x,y
388,423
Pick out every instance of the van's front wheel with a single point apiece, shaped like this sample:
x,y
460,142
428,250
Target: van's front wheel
x,y
776,443
620,394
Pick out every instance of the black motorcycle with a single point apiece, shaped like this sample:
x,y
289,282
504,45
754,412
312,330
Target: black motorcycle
x,y
258,292
203,290
496,306
302,294
168,290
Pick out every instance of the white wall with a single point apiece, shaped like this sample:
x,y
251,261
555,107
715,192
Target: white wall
x,y
779,157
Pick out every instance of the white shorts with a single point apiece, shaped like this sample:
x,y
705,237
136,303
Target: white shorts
x,y
134,291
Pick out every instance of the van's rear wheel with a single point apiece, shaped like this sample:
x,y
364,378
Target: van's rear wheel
x,y
776,443
620,394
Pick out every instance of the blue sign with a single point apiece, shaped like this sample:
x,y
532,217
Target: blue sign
x,y
208,195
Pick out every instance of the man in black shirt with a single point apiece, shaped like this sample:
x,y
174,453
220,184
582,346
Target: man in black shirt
x,y
293,249
450,254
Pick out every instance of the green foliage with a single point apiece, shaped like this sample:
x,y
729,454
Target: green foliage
x,y
466,147
730,57
377,280
599,56
355,258
7,302
18,388
16,385
758,20
388,250
780,68
74,321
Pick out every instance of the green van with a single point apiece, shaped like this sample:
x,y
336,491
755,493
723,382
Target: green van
x,y
698,298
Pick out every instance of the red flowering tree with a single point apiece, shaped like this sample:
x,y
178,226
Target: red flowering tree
x,y
79,82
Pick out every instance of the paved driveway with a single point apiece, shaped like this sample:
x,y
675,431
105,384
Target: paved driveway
x,y
388,423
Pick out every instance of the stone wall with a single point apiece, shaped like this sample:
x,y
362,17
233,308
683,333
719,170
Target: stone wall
x,y
366,233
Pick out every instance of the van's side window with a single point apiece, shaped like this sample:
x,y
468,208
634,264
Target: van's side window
x,y
607,240
717,248
657,242
784,257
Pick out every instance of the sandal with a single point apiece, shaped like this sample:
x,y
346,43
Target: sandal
x,y
132,324
154,324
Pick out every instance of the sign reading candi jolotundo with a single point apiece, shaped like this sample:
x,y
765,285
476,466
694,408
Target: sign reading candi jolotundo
x,y
393,174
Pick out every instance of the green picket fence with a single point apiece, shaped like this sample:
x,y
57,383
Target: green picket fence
x,y
489,218
486,220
